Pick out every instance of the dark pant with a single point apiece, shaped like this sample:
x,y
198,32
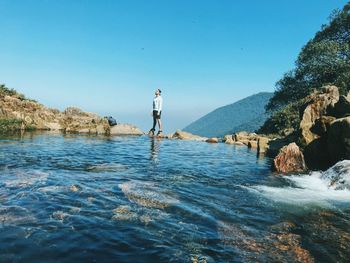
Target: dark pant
x,y
156,116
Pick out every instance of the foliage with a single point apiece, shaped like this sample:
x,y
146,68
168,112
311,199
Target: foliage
x,y
287,118
325,59
5,91
7,124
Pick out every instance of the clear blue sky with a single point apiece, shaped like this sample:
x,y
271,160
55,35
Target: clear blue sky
x,y
108,56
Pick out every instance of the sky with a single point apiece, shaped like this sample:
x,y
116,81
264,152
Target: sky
x,y
109,56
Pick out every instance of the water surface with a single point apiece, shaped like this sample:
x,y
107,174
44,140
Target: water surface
x,y
74,198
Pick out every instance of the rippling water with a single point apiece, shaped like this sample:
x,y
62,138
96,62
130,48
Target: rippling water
x,y
73,198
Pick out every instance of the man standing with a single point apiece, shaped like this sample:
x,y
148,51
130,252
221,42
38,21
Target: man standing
x,y
157,111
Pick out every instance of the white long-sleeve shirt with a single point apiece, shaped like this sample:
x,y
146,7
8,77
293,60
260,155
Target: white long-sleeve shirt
x,y
158,103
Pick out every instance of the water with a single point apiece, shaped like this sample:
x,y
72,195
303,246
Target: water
x,y
74,198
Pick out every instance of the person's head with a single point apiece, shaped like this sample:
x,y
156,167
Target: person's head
x,y
158,92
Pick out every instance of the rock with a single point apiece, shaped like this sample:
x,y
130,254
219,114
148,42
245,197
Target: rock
x,y
338,140
290,160
246,138
322,125
74,188
71,120
212,140
228,139
253,144
239,143
243,135
341,108
317,155
263,144
188,136
338,176
318,104
125,129
54,126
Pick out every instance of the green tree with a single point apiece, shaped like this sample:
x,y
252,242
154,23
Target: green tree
x,y
325,59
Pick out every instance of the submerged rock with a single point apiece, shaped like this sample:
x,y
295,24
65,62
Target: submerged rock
x,y
147,194
124,213
282,246
290,160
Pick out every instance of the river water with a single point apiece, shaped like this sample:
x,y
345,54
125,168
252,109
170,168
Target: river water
x,y
74,198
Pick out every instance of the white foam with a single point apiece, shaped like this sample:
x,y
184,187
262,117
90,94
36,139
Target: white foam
x,y
305,190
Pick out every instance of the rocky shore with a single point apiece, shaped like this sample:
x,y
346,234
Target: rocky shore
x,y
18,113
323,138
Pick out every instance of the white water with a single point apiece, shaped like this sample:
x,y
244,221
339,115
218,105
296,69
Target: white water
x,y
317,188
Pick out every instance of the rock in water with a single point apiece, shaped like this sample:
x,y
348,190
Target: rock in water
x,y
125,129
338,175
188,136
212,140
290,159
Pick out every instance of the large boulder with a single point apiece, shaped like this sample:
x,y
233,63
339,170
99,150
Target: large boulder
x,y
290,160
318,104
188,136
125,129
341,108
338,140
338,176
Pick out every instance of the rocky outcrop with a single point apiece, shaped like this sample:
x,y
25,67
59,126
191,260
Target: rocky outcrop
x,y
290,159
318,104
72,120
325,128
188,136
125,129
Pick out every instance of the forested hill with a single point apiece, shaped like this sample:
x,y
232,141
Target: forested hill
x,y
247,114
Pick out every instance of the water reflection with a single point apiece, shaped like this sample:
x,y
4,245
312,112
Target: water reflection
x,y
155,146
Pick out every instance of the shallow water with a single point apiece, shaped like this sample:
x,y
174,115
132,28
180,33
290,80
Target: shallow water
x,y
74,198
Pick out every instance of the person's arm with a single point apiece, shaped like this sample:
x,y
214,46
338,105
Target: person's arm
x,y
160,104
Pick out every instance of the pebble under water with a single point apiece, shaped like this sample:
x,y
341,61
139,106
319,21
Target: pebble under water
x,y
75,198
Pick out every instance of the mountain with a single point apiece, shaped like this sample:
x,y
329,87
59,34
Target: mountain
x,y
247,114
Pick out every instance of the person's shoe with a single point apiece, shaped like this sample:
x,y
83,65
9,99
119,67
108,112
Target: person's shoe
x,y
159,132
151,132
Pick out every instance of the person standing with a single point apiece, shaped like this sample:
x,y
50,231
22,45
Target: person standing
x,y
157,111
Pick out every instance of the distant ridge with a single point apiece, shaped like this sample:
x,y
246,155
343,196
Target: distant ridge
x,y
247,114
